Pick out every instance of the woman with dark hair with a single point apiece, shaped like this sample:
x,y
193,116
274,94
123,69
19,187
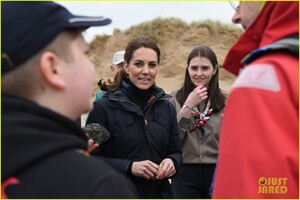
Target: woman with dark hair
x,y
144,140
199,104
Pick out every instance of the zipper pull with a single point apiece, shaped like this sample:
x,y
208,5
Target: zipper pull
x,y
146,122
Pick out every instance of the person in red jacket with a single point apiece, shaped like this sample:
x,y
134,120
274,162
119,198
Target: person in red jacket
x,y
259,139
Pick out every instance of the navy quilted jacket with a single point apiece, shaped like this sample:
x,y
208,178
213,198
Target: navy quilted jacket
x,y
136,134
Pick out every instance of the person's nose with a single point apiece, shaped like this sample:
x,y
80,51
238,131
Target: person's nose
x,y
145,69
236,18
199,72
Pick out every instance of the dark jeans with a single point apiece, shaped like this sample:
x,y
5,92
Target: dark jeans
x,y
193,181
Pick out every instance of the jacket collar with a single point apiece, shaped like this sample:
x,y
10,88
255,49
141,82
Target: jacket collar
x,y
31,133
276,21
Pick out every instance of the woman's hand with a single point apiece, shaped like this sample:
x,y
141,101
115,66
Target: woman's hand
x,y
198,95
166,169
146,169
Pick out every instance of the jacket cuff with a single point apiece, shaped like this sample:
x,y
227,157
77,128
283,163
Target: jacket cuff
x,y
175,165
128,168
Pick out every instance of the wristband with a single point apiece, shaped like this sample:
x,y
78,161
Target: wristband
x,y
186,106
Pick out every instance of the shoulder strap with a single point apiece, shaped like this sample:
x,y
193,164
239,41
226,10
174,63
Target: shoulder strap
x,y
288,45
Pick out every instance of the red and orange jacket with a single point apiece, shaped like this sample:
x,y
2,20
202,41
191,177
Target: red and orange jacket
x,y
259,139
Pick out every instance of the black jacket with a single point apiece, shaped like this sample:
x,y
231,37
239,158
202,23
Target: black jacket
x,y
136,135
43,157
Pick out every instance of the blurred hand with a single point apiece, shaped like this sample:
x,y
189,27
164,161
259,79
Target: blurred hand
x,y
146,169
166,169
198,95
92,145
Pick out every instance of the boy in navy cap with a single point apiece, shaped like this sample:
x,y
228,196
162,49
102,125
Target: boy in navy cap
x,y
47,83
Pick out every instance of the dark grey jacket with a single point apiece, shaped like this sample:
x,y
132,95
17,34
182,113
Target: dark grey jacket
x,y
43,156
136,135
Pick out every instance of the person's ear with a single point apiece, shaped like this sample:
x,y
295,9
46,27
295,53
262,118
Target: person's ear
x,y
216,69
50,70
126,68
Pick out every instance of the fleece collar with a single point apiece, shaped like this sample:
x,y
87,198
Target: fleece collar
x,y
31,133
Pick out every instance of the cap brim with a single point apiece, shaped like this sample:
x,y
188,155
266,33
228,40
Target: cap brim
x,y
116,63
85,22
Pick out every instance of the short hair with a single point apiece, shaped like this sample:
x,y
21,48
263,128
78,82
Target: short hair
x,y
24,81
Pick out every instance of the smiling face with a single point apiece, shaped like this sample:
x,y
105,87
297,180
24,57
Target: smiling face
x,y
201,71
142,68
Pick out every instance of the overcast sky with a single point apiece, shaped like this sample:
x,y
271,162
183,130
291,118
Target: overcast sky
x,y
129,13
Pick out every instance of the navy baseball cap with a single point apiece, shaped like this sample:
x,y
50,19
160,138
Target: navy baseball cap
x,y
28,27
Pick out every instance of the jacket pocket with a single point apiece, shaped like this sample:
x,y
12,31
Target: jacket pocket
x,y
120,120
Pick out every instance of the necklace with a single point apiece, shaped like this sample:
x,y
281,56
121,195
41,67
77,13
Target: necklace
x,y
202,118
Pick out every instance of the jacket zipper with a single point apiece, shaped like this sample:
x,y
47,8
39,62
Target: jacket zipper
x,y
145,116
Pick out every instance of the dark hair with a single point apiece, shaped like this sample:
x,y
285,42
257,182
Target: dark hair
x,y
217,99
135,44
103,85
